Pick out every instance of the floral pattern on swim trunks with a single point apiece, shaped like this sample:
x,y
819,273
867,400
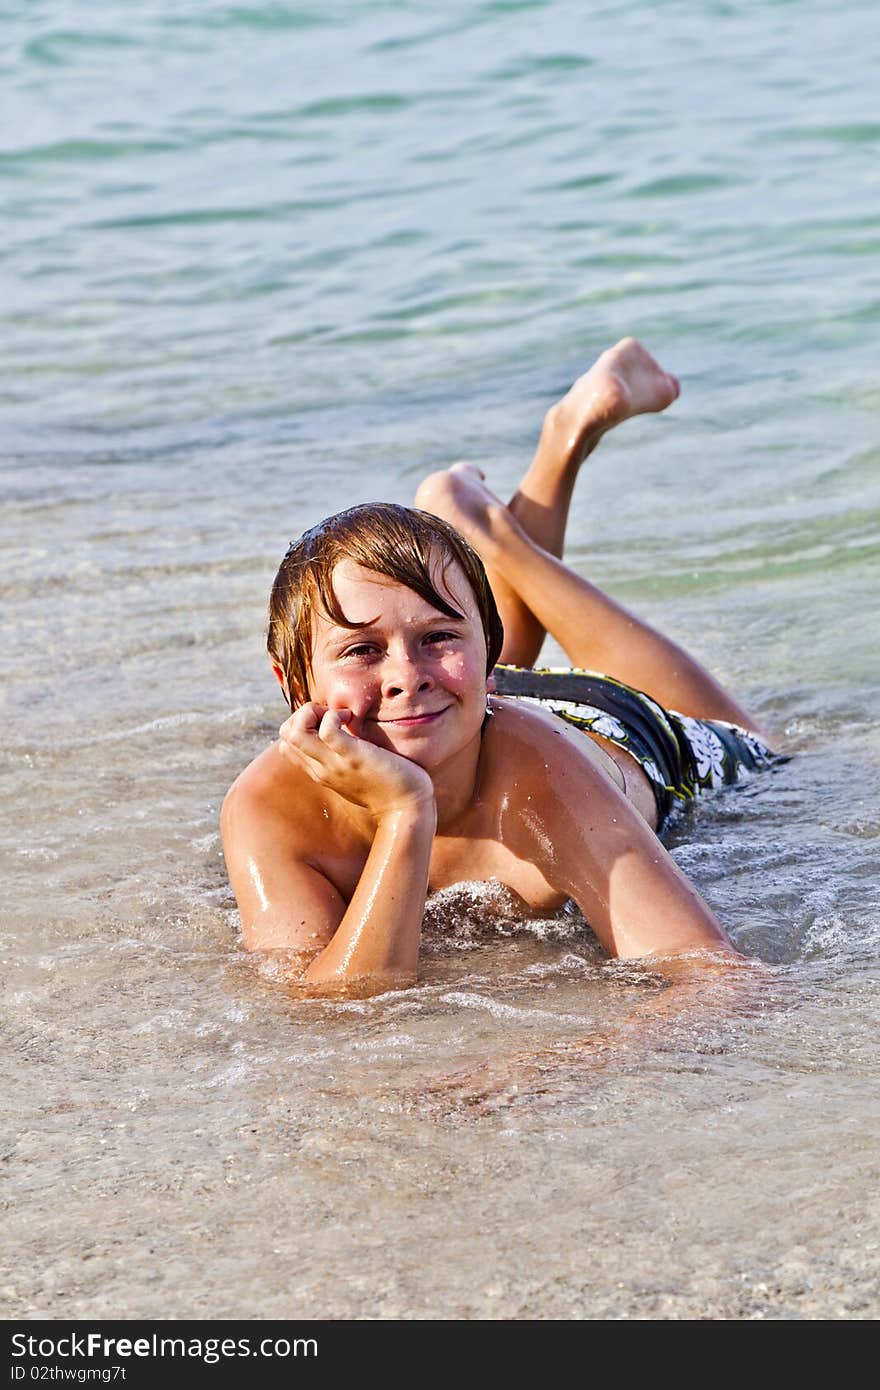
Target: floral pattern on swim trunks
x,y
608,727
708,751
681,755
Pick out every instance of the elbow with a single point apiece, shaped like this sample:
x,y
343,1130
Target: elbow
x,y
228,810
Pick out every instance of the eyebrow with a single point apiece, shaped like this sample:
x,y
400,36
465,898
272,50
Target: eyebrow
x,y
337,634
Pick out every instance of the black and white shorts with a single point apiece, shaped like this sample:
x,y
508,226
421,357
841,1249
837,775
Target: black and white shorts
x,y
681,756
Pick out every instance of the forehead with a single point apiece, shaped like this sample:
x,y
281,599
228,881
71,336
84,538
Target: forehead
x,y
365,596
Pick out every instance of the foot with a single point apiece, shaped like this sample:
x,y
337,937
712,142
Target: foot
x,y
459,495
623,382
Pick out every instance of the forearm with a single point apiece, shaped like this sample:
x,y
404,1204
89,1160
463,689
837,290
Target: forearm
x,y
379,936
653,908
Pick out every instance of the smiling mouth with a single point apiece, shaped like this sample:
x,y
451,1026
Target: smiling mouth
x,y
414,720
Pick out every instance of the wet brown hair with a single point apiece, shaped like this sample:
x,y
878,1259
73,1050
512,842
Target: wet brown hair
x,y
401,543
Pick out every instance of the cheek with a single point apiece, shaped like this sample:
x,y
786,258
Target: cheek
x,y
345,690
467,671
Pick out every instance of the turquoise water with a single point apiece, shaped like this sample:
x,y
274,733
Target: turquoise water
x,y
262,261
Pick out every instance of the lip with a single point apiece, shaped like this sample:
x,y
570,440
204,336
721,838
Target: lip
x,y
413,721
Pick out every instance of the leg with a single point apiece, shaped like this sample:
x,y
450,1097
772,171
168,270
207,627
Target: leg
x,y
594,631
518,545
625,381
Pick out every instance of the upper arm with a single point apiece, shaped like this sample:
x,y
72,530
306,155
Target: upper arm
x,y
592,844
285,903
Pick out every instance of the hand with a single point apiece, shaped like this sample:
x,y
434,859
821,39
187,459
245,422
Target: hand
x,y
320,741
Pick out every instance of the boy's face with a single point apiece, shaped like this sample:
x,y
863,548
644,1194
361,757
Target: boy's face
x,y
414,679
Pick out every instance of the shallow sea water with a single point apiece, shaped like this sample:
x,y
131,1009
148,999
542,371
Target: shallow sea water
x,y
262,261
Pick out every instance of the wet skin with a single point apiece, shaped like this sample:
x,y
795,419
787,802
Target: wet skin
x,y
391,783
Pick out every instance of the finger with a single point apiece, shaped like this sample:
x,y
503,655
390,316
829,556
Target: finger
x,y
290,752
352,723
304,720
308,754
298,736
333,727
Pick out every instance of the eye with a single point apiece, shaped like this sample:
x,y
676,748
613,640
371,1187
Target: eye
x,y
435,637
360,649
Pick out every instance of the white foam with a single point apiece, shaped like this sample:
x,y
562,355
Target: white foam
x,y
499,1010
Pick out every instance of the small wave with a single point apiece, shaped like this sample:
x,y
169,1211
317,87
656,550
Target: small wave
x,y
553,63
60,47
357,105
684,184
196,217
854,133
79,151
390,1044
236,1072
498,1010
242,716
261,17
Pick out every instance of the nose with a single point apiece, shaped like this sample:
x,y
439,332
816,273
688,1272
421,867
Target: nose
x,y
404,674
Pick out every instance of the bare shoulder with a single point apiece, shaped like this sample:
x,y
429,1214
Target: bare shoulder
x,y
267,778
539,772
543,744
268,791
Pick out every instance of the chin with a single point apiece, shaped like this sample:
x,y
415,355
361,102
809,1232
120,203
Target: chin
x,y
415,748
428,750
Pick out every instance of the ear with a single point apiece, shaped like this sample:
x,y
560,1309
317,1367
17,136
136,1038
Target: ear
x,y
282,681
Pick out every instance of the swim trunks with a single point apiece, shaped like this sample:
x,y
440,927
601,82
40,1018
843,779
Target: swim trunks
x,y
681,756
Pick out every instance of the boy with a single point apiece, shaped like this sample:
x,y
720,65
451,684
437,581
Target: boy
x,y
400,772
